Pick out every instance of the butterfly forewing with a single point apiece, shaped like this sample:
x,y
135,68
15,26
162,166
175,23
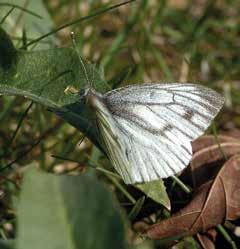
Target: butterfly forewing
x,y
151,126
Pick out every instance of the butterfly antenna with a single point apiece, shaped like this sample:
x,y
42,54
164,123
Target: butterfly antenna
x,y
80,58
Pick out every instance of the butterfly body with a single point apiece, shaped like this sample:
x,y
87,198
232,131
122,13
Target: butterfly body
x,y
147,129
93,99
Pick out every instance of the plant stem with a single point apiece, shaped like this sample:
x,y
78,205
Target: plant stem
x,y
184,187
227,237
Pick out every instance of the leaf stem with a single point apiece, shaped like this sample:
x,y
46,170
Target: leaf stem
x,y
105,171
136,208
184,187
122,189
110,175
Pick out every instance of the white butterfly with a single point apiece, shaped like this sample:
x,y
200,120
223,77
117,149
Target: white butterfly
x,y
147,129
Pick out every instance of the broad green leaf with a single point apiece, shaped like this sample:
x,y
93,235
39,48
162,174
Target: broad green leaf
x,y
6,244
67,212
44,75
156,191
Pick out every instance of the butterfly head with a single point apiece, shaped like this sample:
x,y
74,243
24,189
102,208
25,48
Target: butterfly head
x,y
91,97
83,93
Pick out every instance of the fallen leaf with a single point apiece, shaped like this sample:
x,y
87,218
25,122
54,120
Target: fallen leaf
x,y
214,153
208,140
214,202
206,241
202,165
235,133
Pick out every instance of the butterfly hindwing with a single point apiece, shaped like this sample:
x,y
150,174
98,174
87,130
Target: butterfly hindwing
x,y
151,126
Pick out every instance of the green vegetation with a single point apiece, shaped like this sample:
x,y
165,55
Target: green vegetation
x,y
57,187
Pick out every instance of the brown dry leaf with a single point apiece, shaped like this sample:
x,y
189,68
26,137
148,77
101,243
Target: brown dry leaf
x,y
214,202
232,133
208,140
202,167
214,153
207,240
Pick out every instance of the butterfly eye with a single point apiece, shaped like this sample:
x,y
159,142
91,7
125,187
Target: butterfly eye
x,y
82,92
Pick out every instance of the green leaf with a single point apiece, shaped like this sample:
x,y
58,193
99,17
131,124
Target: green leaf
x,y
156,191
6,244
44,75
188,242
147,244
67,212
